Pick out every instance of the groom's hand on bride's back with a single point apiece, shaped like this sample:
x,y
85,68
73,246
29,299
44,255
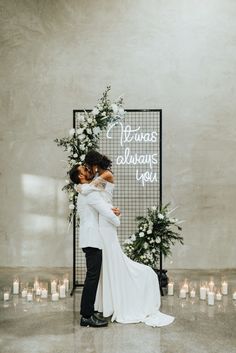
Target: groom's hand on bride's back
x,y
116,210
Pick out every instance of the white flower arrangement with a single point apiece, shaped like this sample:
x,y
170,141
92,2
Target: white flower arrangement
x,y
86,136
154,234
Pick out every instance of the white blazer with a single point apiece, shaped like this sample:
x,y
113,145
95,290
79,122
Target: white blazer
x,y
89,207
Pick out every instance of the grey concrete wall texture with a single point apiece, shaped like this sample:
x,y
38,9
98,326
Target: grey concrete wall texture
x,y
178,55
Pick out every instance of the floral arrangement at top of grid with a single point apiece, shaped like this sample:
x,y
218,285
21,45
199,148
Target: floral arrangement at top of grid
x,y
86,136
155,234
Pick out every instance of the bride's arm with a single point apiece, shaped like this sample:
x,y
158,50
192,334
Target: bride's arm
x,y
85,189
104,209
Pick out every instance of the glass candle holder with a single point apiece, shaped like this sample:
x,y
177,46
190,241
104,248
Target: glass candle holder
x,y
29,295
36,284
170,287
54,284
66,282
62,290
182,291
192,290
6,294
23,289
44,292
16,286
203,290
224,287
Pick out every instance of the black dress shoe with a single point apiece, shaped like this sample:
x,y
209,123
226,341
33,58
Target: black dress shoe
x,y
100,316
93,321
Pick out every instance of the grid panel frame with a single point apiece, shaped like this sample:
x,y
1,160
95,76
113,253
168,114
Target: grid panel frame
x,y
135,147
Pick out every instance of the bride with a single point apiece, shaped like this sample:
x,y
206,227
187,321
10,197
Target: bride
x,y
128,291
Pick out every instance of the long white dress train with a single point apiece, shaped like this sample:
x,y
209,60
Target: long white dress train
x,y
128,291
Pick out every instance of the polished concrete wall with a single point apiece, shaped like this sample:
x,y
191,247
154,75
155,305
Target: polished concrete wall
x,y
178,55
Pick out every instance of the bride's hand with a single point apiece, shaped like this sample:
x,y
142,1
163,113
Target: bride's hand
x,y
116,210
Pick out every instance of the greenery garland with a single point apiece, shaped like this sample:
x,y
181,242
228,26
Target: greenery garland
x,y
86,136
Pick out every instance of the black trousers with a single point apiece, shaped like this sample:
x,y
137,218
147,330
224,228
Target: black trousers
x,y
93,264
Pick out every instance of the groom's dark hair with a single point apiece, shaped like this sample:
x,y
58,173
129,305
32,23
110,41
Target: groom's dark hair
x,y
74,174
95,158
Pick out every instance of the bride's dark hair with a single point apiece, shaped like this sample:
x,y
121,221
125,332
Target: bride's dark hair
x,y
95,158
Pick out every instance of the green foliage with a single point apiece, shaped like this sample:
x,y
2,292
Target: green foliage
x,y
86,136
156,232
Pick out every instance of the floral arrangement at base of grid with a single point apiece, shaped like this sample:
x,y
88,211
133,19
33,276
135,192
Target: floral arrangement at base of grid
x,y
86,137
156,233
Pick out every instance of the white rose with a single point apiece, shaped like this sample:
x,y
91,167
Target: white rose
x,y
71,206
133,237
141,234
80,118
67,181
154,208
149,231
75,155
160,216
80,131
89,131
145,245
90,120
95,111
96,130
82,157
158,240
121,111
82,147
71,132
153,250
114,108
81,137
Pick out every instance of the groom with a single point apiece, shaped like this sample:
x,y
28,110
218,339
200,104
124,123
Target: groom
x,y
89,207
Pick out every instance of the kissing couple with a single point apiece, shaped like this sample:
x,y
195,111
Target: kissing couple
x,y
115,285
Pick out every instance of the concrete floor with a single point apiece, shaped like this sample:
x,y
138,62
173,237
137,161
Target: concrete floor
x,y
45,326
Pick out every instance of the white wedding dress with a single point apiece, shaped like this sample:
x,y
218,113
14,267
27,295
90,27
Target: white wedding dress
x,y
128,291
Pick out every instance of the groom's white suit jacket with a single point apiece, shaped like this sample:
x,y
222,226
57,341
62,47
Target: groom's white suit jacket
x,y
89,207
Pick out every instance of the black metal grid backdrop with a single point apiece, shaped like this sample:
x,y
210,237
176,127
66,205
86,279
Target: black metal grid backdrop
x,y
132,196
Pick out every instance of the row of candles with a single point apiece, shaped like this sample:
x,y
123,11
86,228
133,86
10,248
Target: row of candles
x,y
207,291
58,290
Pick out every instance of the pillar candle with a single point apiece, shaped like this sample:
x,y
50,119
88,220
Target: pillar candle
x,y
192,293
38,291
55,296
53,286
171,288
211,298
44,293
66,283
224,288
185,286
203,292
16,287
62,291
234,296
29,297
211,286
24,293
218,296
182,293
36,285
6,296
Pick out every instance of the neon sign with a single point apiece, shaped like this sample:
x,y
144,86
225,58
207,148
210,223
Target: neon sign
x,y
129,136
